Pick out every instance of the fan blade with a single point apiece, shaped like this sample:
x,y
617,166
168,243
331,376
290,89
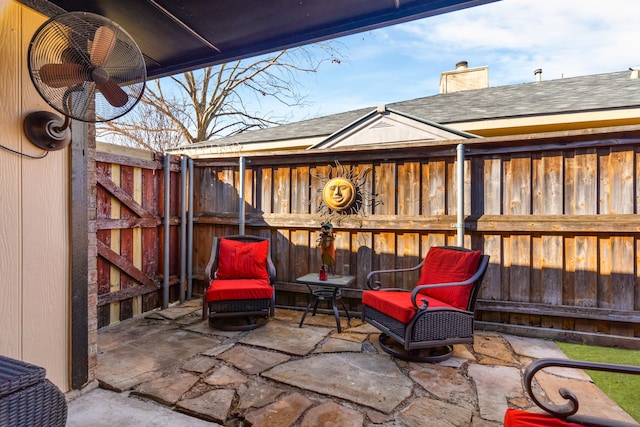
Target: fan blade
x,y
113,93
61,75
103,43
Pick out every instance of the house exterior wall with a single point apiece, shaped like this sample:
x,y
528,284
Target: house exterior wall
x,y
34,224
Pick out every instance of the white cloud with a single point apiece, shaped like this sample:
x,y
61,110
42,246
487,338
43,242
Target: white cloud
x,y
513,38
564,38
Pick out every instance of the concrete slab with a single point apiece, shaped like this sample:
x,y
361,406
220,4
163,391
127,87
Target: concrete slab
x,y
103,408
367,379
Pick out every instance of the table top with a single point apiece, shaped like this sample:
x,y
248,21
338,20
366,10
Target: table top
x,y
335,280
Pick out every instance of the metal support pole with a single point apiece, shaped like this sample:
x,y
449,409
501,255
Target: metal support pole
x,y
167,220
190,234
183,227
241,218
460,190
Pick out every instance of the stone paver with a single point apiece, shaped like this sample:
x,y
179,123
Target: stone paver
x,y
257,395
173,313
214,405
593,401
251,360
169,389
332,414
425,411
125,366
445,383
334,345
492,350
282,413
286,338
199,364
495,385
288,376
225,376
366,379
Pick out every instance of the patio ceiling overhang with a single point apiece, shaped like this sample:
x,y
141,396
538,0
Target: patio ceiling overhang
x,y
177,36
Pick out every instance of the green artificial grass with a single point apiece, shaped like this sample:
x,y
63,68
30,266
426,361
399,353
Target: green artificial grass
x,y
624,389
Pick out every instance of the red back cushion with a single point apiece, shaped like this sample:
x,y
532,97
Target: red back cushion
x,y
242,260
443,265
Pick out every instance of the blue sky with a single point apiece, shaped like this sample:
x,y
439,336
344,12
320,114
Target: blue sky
x,y
565,38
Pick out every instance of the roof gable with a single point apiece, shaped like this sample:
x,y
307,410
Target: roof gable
x,y
386,126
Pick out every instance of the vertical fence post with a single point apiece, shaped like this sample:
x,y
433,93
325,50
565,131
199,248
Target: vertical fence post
x,y
167,220
190,233
183,227
241,219
460,195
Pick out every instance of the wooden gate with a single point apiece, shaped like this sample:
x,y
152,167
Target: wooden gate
x,y
130,232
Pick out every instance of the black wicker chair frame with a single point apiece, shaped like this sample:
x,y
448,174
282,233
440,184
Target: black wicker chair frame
x,y
568,411
430,334
27,398
236,315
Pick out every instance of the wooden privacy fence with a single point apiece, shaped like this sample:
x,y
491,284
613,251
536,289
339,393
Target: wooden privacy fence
x,y
557,213
130,233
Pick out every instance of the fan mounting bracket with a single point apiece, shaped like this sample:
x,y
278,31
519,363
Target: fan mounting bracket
x,y
47,130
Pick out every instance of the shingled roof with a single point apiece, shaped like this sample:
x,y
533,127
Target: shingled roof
x,y
591,93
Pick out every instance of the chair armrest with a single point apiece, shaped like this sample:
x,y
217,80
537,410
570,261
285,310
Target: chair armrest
x,y
209,271
567,410
271,270
377,284
416,291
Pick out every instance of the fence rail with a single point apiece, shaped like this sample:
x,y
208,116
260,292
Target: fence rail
x,y
557,213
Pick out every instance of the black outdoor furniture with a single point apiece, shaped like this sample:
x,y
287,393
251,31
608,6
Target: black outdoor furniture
x,y
27,398
422,324
240,293
329,289
566,414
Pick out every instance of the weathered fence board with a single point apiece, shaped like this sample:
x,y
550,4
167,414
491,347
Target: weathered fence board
x,y
129,211
558,217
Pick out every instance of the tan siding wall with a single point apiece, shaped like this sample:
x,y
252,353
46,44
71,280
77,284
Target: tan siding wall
x,y
34,229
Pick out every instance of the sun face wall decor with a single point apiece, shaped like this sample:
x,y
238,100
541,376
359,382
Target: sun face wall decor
x,y
343,193
339,194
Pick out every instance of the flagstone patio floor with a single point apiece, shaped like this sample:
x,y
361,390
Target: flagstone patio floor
x,y
171,368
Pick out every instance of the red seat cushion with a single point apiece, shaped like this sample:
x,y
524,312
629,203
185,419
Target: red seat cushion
x,y
238,289
396,304
518,418
442,265
242,260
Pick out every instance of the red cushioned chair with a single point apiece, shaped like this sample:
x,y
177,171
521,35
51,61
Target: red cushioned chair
x,y
423,324
565,415
240,294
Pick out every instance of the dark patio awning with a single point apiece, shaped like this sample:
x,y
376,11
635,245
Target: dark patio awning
x,y
176,35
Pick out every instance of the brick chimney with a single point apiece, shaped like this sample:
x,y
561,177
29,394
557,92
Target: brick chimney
x,y
464,78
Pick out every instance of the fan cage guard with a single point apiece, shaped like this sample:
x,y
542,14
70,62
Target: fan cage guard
x,y
66,39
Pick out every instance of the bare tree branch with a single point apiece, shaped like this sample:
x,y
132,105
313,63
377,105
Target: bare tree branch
x,y
217,101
